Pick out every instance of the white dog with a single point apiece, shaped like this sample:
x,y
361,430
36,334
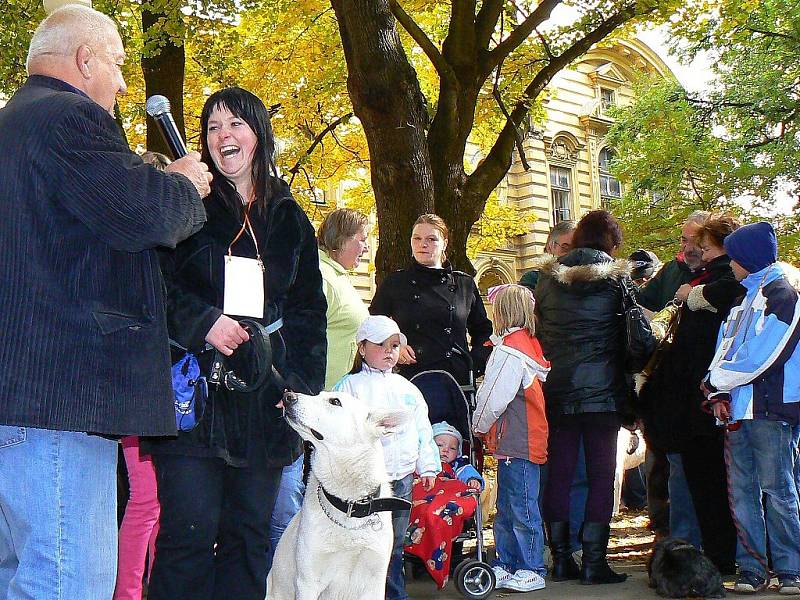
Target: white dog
x,y
630,453
326,554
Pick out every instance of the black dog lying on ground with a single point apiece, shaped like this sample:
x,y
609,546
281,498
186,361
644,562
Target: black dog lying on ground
x,y
679,570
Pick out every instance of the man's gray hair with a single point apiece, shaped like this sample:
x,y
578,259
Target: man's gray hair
x,y
699,217
558,230
67,28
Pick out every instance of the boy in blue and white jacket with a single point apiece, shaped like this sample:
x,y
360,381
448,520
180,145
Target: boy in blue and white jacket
x,y
753,386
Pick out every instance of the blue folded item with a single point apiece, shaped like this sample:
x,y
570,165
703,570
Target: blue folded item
x,y
191,392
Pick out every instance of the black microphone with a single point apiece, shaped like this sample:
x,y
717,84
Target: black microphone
x,y
158,107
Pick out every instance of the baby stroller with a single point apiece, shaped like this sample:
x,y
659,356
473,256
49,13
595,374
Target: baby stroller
x,y
473,577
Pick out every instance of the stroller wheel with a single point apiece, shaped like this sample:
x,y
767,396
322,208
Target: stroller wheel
x,y
474,579
457,571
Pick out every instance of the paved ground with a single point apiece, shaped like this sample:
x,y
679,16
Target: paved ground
x,y
633,589
630,544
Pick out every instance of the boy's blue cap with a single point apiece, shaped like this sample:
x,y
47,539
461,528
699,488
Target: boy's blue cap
x,y
753,246
444,428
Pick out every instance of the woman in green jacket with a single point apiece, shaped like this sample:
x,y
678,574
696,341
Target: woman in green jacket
x,y
342,241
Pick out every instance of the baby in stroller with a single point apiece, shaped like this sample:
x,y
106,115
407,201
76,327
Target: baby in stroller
x,y
438,515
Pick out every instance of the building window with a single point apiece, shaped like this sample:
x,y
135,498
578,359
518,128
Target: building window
x,y
606,98
561,194
610,189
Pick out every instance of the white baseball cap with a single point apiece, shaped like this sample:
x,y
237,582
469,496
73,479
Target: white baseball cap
x,y
377,329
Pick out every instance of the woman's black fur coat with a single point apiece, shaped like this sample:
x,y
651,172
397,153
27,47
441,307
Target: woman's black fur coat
x,y
293,292
580,325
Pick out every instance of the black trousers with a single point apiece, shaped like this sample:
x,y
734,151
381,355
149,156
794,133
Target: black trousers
x,y
212,544
657,482
704,466
599,433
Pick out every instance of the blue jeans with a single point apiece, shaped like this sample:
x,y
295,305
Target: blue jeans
x,y
797,458
58,514
395,580
518,534
287,504
683,522
762,465
634,488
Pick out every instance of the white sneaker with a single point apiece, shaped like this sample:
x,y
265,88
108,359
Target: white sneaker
x,y
525,581
501,576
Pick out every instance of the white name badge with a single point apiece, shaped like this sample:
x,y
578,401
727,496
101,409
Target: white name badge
x,y
244,287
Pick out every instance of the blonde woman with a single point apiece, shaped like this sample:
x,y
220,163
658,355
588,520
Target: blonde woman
x,y
342,241
510,414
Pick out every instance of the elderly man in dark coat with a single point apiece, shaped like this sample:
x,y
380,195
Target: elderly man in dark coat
x,y
84,339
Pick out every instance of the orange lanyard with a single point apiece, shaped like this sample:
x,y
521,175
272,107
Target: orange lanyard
x,y
247,226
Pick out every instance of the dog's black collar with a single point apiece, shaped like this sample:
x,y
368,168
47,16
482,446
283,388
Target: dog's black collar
x,y
366,506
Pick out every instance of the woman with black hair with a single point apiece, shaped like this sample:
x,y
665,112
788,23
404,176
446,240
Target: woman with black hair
x,y
217,483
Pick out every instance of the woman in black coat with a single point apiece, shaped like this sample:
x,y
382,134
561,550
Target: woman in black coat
x,y
581,328
671,399
217,482
435,307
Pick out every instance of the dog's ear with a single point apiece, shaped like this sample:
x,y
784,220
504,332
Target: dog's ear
x,y
387,421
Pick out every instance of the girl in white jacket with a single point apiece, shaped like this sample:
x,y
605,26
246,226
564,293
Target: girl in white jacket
x,y
410,449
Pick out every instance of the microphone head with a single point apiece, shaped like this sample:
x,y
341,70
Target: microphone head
x,y
157,105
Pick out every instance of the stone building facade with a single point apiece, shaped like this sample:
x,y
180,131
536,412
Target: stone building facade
x,y
568,159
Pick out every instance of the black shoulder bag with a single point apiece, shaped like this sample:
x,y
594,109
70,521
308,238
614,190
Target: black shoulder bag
x,y
639,340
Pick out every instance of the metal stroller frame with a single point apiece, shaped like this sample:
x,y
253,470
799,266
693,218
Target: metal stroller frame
x,y
473,578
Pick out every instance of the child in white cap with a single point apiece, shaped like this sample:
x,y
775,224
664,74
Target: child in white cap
x,y
409,450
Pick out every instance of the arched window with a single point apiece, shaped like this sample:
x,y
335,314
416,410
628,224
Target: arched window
x,y
610,188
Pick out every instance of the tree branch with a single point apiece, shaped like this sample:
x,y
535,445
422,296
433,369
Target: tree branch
x,y
331,126
499,99
423,41
491,171
767,140
545,45
521,33
339,143
486,21
517,136
768,33
692,178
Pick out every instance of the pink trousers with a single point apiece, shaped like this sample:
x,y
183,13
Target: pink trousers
x,y
137,534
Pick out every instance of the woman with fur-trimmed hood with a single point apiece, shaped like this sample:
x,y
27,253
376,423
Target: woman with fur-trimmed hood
x,y
581,328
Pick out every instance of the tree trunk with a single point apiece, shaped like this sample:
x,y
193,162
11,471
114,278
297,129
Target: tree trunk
x,y
412,174
386,97
447,143
163,70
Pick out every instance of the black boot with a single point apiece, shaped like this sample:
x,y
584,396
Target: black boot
x,y
594,566
564,566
